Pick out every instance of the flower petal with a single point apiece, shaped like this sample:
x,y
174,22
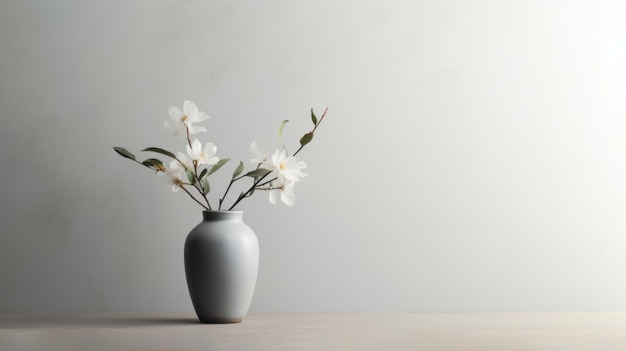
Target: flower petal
x,y
212,160
175,113
190,153
274,195
202,116
171,125
190,108
196,129
196,146
287,196
210,149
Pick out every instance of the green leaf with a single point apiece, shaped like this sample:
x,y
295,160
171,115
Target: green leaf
x,y
124,153
257,173
313,118
191,177
153,163
161,151
238,170
205,186
306,138
217,166
203,173
280,130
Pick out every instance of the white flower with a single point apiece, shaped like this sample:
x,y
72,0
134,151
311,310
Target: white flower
x,y
283,191
259,155
288,167
176,182
206,156
180,164
176,170
185,118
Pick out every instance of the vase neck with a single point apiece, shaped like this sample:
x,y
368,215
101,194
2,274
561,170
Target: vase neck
x,y
222,215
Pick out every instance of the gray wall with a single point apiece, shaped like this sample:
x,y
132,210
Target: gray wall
x,y
473,158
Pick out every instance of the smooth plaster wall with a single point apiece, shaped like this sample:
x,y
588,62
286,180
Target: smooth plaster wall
x,y
473,157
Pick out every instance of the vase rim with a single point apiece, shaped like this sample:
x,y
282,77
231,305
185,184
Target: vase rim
x,y
222,215
223,211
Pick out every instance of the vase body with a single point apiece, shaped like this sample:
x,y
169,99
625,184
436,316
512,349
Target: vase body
x,y
221,265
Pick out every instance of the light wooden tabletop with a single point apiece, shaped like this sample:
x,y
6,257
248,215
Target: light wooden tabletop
x,y
315,331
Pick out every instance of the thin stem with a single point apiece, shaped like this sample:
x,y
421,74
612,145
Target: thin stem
x,y
143,164
313,131
188,136
194,185
201,192
196,200
269,181
232,181
247,193
198,187
226,192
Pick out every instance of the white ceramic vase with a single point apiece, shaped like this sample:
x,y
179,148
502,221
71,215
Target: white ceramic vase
x,y
221,265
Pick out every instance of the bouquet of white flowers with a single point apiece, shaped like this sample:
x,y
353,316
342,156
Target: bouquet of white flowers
x,y
190,171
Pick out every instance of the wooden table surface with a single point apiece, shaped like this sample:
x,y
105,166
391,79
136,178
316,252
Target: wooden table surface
x,y
315,331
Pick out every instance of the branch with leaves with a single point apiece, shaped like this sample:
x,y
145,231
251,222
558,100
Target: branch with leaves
x,y
276,173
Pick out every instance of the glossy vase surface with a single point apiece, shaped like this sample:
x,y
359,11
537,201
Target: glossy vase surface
x,y
221,265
